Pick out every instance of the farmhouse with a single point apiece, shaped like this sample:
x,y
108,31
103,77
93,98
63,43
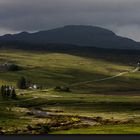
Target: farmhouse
x,y
33,86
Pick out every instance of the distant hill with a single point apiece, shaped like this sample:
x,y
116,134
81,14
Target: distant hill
x,y
75,35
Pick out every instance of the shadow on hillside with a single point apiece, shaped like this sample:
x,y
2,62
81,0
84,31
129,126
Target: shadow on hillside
x,y
78,80
129,58
99,105
125,57
53,76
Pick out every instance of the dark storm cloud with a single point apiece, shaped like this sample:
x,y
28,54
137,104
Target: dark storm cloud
x,y
32,15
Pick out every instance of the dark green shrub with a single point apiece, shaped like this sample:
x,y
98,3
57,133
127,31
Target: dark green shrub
x,y
29,128
57,88
63,89
45,128
99,119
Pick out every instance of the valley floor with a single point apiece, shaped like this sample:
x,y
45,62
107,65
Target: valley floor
x,y
104,96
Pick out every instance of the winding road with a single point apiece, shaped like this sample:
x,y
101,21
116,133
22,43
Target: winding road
x,y
75,84
107,78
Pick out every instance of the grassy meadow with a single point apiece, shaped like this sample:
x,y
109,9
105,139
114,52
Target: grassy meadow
x,y
105,107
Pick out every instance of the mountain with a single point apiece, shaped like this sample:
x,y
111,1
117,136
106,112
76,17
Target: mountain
x,y
75,35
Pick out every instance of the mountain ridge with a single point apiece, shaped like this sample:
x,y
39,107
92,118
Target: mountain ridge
x,y
81,35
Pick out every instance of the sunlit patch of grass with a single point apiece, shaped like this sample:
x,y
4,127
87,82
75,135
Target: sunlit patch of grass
x,y
106,129
95,99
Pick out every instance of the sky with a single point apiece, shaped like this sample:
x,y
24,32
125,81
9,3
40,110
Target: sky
x,y
120,16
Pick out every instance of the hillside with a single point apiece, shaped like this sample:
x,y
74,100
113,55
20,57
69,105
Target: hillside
x,y
103,83
90,106
55,68
75,35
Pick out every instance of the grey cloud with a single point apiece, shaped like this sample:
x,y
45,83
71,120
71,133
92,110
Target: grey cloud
x,y
33,15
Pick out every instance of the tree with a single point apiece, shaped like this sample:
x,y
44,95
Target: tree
x,y
21,83
13,94
2,91
8,91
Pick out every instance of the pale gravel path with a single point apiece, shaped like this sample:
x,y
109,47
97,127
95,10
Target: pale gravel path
x,y
104,79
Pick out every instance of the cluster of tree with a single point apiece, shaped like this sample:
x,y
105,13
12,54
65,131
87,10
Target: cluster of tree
x,y
22,83
8,92
63,89
13,67
9,67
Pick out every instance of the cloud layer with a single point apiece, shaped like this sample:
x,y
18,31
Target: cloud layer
x,y
121,16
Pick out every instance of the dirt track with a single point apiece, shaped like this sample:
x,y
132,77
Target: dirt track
x,y
107,78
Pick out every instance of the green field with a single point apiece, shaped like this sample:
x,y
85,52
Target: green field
x,y
111,106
